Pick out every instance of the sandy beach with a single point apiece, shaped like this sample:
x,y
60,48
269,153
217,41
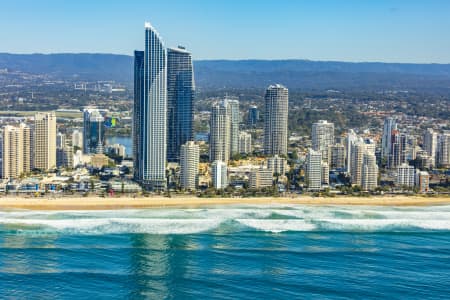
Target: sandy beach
x,y
98,203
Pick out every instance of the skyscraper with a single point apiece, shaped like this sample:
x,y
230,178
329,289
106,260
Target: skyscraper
x,y
93,131
45,140
189,159
219,137
314,170
322,137
369,172
443,150
390,124
253,115
16,151
398,151
276,120
150,112
430,143
180,100
233,108
357,155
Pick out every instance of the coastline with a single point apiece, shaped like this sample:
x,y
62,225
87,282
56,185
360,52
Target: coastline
x,y
114,203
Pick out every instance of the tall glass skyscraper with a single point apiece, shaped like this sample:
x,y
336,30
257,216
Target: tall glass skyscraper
x,y
180,101
150,112
93,131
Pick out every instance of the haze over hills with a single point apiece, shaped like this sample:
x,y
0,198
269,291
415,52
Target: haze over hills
x,y
243,74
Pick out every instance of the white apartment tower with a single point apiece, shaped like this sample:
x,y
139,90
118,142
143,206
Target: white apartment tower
x,y
314,170
189,160
219,138
322,137
405,175
219,174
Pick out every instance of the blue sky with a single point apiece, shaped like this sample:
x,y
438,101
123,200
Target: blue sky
x,y
348,30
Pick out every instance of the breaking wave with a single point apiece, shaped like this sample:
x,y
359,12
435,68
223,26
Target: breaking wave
x,y
266,218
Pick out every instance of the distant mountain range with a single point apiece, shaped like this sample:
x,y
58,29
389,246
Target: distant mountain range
x,y
245,74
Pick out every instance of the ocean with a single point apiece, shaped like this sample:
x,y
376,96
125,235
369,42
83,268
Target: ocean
x,y
227,252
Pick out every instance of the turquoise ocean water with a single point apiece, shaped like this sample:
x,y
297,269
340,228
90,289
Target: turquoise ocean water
x,y
237,252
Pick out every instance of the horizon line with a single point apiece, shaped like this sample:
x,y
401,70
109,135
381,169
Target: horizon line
x,y
237,59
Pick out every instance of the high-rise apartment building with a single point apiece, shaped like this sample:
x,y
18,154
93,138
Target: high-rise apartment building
x,y
253,115
189,160
93,131
150,112
405,175
219,136
369,172
398,151
336,157
235,118
357,154
16,151
430,144
322,137
350,140
443,150
390,124
77,139
314,170
60,140
180,101
278,165
45,141
276,120
245,142
219,174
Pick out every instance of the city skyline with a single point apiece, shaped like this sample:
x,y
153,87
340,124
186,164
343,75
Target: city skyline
x,y
385,31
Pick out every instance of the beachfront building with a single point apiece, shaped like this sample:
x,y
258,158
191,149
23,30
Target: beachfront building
x,y
314,170
322,137
260,178
219,174
44,141
189,161
325,173
423,181
16,151
369,172
150,112
405,175
180,101
276,120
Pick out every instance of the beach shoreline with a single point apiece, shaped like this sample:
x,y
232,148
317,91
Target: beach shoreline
x,y
116,203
